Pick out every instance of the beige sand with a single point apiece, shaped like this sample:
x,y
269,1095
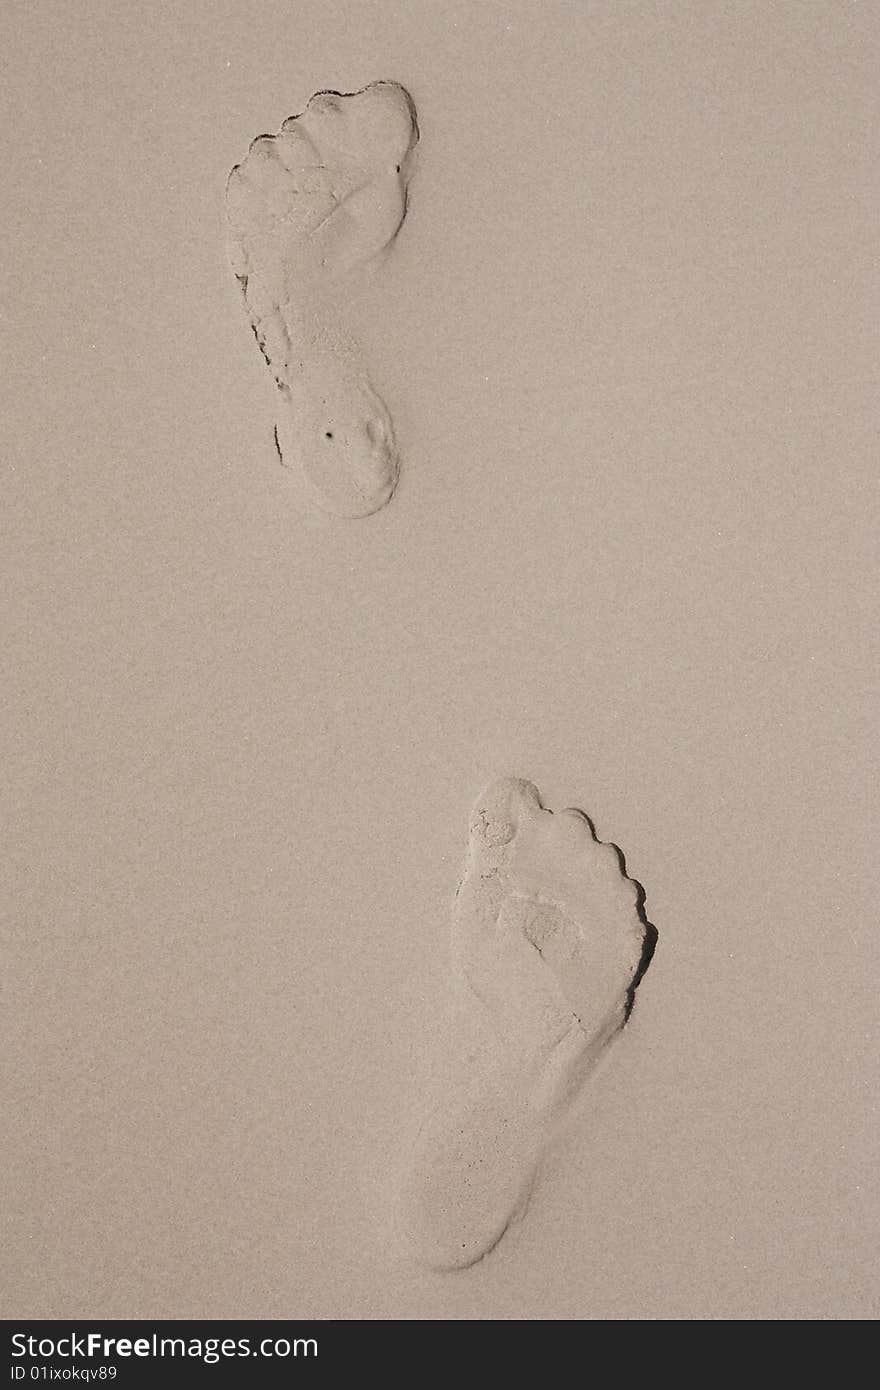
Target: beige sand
x,y
627,339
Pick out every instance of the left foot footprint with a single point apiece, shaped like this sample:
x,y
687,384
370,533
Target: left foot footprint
x,y
308,210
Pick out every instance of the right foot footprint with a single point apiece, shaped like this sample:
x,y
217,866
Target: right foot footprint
x,y
546,925
308,210
549,934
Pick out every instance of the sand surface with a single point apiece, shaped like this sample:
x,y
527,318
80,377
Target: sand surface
x,y
627,336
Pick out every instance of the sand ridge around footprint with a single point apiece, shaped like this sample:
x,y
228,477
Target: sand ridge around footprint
x,y
549,942
310,211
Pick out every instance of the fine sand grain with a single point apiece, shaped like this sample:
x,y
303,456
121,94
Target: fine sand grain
x,y
619,365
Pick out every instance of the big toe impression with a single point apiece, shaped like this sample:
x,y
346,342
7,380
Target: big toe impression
x,y
501,808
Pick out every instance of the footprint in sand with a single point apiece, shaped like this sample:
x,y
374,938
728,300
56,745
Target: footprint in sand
x,y
311,211
549,934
